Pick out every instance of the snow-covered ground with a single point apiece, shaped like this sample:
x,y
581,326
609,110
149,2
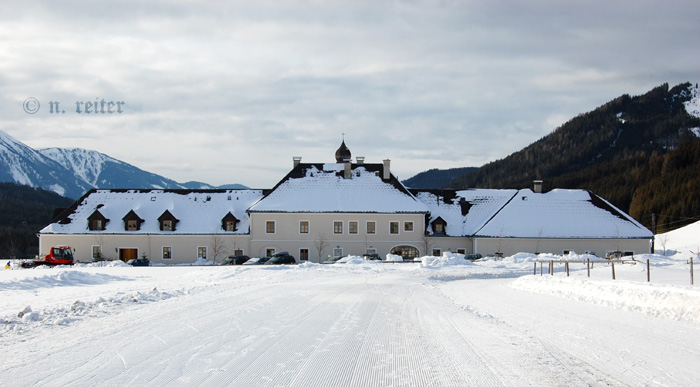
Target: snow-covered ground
x,y
442,322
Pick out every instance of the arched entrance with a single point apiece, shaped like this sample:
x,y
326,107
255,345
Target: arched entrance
x,y
407,252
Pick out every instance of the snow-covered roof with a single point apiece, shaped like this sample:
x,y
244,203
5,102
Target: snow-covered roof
x,y
466,211
323,188
561,214
198,211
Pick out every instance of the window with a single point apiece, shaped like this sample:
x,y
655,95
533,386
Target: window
x,y
167,221
229,222
393,227
407,252
462,251
408,226
167,252
439,228
352,227
202,252
371,227
337,227
97,221
96,252
304,254
132,222
270,227
269,252
304,227
437,252
337,252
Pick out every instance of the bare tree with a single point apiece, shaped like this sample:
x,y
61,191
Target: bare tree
x,y
426,243
499,243
539,239
320,244
663,239
218,246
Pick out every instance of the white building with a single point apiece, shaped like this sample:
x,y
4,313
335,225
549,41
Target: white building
x,y
340,208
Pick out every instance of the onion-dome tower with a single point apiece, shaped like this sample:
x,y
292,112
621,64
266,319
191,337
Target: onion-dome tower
x,y
343,153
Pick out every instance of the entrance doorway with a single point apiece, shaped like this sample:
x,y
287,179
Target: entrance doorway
x,y
127,254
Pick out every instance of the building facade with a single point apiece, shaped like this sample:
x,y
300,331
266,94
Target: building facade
x,y
338,208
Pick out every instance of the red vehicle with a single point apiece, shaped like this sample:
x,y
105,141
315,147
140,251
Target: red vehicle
x,y
60,255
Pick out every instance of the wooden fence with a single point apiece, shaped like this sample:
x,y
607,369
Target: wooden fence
x,y
589,265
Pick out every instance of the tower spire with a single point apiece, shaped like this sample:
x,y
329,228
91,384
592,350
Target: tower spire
x,y
343,153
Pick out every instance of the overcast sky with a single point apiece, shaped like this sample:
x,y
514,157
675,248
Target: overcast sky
x,y
228,92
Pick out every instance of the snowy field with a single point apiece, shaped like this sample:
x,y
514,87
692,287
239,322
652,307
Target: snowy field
x,y
442,322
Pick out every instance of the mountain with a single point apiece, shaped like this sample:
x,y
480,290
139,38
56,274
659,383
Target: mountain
x,y
437,178
23,165
72,171
619,151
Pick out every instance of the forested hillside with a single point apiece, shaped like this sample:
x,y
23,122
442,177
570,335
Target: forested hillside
x,y
437,178
637,152
23,212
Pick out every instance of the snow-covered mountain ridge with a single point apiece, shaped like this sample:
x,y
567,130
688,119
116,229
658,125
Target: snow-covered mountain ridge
x,y
72,171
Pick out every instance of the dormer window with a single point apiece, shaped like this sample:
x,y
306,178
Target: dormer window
x,y
438,226
229,222
97,221
132,222
167,221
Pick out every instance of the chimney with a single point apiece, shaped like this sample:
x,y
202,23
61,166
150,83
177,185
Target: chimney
x,y
537,186
348,169
297,161
360,160
386,172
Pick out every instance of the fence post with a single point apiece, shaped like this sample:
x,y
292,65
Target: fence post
x,y
540,268
588,266
534,269
613,269
648,274
567,268
551,267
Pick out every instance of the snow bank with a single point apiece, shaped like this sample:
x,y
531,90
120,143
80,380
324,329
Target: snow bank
x,y
352,260
447,259
394,258
679,244
61,278
667,301
27,318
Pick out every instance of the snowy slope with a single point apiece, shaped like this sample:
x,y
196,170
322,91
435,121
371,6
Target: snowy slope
x,y
489,323
23,165
682,243
72,171
102,171
693,106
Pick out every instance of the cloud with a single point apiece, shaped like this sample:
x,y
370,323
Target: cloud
x,y
228,92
